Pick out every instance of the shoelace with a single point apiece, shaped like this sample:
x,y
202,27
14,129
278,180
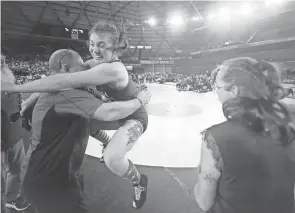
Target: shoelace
x,y
138,190
104,146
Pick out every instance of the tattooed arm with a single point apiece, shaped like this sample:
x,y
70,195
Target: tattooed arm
x,y
209,172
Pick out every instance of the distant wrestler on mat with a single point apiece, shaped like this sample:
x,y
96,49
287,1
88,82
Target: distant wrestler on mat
x,y
60,124
105,42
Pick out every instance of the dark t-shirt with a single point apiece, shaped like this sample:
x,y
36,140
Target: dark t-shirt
x,y
10,131
60,123
258,174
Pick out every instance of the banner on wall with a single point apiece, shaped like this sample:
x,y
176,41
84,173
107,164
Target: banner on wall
x,y
133,65
156,62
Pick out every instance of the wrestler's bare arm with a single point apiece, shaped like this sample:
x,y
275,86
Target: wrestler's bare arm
x,y
98,75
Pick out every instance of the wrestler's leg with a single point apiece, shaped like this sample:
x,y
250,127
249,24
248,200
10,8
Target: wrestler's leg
x,y
122,141
115,159
97,131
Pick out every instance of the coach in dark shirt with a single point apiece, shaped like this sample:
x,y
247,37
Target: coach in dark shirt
x,y
247,163
61,122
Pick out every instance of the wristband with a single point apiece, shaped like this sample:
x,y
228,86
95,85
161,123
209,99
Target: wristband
x,y
142,104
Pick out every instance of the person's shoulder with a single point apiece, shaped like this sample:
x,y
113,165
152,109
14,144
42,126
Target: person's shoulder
x,y
224,126
118,65
44,102
119,70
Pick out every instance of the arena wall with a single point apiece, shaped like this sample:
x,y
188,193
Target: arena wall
x,y
283,51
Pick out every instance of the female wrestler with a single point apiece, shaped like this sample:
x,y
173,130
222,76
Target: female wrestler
x,y
247,163
106,70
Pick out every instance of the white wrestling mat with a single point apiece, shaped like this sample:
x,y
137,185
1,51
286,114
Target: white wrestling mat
x,y
173,136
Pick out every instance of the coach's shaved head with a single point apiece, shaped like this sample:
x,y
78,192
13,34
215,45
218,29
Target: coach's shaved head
x,y
65,60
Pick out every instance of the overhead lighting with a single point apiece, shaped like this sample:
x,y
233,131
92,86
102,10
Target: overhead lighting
x,y
139,47
274,2
152,22
246,9
211,16
224,14
147,47
176,20
132,47
195,18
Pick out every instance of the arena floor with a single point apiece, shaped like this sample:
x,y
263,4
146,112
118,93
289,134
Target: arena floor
x,y
168,153
172,138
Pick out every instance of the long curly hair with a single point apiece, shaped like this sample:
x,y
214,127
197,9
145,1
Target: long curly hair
x,y
257,104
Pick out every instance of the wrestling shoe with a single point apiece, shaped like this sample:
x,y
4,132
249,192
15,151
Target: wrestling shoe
x,y
140,192
18,204
104,146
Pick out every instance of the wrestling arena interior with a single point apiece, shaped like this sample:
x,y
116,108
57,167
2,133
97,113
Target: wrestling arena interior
x,y
173,48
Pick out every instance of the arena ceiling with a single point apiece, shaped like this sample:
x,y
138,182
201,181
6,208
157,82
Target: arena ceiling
x,y
22,17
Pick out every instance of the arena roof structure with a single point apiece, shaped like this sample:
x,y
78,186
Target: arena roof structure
x,y
162,28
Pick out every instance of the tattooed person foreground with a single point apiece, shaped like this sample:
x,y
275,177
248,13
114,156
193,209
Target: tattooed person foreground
x,y
61,127
248,162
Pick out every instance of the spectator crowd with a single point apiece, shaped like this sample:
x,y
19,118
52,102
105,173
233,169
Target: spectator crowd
x,y
28,69
289,77
199,82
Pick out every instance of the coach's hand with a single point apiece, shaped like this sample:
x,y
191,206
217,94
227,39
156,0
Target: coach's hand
x,y
24,106
105,99
142,87
100,95
29,103
144,96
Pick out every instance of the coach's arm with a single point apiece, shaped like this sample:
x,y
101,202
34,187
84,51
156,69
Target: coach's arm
x,y
121,109
116,110
84,104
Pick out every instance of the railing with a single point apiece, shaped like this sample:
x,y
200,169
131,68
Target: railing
x,y
269,44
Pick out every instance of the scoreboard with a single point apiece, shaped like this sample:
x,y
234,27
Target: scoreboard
x,y
61,32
